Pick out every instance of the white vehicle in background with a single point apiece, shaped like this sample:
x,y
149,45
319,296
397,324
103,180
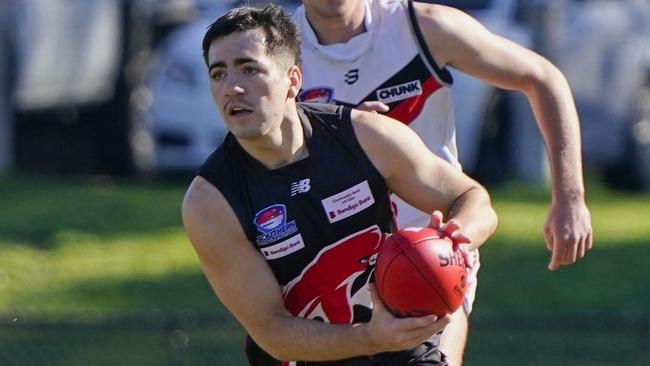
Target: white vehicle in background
x,y
185,124
600,45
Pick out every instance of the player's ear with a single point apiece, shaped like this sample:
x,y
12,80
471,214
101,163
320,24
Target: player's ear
x,y
295,80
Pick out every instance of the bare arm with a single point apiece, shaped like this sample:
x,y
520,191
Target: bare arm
x,y
244,283
423,179
457,40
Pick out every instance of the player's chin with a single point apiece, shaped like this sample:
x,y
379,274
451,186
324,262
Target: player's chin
x,y
247,131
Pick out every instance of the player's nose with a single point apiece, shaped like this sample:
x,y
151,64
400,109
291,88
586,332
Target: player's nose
x,y
233,86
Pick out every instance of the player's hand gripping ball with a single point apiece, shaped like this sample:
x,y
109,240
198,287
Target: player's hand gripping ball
x,y
419,273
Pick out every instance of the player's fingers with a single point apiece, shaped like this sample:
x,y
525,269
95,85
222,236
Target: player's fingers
x,y
590,241
563,252
465,251
373,106
548,237
450,227
422,333
423,325
582,247
580,253
452,230
555,256
414,324
460,238
410,332
570,243
572,251
441,323
436,220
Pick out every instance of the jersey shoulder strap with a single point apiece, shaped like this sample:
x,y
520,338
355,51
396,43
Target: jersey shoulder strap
x,y
443,73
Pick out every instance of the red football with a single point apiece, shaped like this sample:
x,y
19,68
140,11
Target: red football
x,y
419,273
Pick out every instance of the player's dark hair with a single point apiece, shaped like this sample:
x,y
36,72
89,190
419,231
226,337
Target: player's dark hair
x,y
280,34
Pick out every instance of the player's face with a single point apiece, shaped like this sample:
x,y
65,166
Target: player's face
x,y
333,8
249,87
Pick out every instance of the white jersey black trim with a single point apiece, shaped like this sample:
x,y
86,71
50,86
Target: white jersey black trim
x,y
442,73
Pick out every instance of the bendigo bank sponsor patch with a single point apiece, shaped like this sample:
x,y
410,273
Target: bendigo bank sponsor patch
x,y
349,202
284,247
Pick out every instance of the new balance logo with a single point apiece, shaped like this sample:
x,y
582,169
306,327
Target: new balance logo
x,y
352,76
301,186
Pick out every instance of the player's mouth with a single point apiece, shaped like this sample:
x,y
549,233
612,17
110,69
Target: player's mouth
x,y
238,111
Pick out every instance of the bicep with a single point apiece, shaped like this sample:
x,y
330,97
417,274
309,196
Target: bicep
x,y
458,40
238,274
411,170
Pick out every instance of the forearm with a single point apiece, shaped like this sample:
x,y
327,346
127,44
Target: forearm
x,y
473,210
556,116
291,338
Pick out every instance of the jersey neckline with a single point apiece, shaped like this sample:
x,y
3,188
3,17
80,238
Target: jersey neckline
x,y
349,51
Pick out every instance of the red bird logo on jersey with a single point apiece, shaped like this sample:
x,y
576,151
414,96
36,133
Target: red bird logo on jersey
x,y
324,288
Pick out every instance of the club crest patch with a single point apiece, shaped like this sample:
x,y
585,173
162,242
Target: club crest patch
x,y
317,95
272,223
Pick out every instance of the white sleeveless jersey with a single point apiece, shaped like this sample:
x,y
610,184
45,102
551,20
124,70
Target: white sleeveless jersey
x,y
388,63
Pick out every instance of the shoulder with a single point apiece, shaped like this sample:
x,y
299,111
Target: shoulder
x,y
375,129
210,223
204,206
202,199
330,117
221,162
445,29
442,23
319,108
386,141
436,17
372,123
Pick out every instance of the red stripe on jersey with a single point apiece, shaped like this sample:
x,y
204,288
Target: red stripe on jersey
x,y
408,109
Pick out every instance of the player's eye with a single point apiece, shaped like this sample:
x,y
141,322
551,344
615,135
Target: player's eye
x,y
217,75
250,70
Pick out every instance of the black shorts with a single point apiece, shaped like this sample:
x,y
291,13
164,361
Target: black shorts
x,y
426,354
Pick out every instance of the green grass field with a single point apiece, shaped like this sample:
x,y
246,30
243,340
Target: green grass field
x,y
91,253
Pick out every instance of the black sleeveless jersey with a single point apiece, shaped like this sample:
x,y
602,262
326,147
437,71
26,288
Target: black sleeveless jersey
x,y
318,221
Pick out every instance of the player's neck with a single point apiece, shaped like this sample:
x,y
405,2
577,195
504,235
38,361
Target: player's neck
x,y
339,28
280,146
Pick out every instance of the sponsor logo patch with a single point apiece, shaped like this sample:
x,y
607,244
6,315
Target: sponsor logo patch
x,y
283,248
317,95
399,92
272,223
349,202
